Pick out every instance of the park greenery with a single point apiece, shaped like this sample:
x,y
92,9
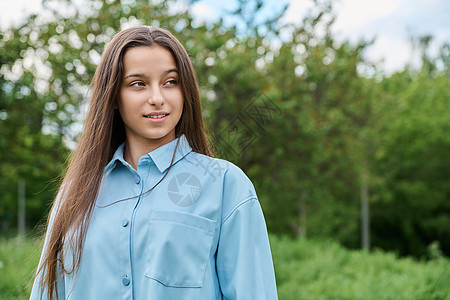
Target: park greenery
x,y
305,269
319,129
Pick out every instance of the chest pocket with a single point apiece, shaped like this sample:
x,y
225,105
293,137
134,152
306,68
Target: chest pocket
x,y
179,247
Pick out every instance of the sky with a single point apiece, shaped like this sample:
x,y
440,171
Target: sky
x,y
390,22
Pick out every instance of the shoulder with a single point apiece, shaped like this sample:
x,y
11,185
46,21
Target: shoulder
x,y
226,171
235,186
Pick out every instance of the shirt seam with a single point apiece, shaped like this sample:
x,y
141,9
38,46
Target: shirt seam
x,y
187,225
250,198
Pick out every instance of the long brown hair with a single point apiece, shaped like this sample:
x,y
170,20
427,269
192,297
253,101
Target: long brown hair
x,y
103,133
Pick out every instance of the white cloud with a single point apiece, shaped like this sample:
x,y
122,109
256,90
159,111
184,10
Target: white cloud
x,y
203,12
392,53
296,11
357,13
12,12
201,9
390,22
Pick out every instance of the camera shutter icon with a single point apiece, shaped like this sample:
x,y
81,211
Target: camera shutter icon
x,y
184,189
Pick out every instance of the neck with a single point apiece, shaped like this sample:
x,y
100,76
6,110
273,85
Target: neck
x,y
135,149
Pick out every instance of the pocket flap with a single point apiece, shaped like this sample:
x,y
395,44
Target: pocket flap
x,y
184,218
178,248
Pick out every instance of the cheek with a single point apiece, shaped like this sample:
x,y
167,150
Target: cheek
x,y
119,101
181,100
181,107
181,104
177,102
126,102
180,111
119,107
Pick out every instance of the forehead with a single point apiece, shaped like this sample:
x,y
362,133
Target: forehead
x,y
145,59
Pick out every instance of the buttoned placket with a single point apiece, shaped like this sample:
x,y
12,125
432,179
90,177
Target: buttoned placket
x,y
143,183
127,227
136,183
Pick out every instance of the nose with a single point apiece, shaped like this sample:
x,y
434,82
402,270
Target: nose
x,y
155,96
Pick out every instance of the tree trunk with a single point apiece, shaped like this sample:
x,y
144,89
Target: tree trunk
x,y
365,217
21,209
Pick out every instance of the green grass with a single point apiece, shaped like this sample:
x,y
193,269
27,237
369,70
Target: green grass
x,y
305,269
18,260
325,270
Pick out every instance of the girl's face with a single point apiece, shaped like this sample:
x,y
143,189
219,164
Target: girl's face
x,y
151,100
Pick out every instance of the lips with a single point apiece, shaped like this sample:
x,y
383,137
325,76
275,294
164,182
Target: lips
x,y
156,115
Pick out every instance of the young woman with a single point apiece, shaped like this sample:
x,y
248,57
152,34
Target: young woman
x,y
144,210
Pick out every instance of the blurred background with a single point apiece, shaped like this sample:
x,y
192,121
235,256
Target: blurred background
x,y
338,111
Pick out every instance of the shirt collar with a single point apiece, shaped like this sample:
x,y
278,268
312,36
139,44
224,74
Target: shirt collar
x,y
162,156
118,156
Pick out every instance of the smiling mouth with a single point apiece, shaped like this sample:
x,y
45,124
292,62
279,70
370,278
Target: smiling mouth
x,y
156,116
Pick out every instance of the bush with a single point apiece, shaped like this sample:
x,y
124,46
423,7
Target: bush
x,y
308,269
305,269
18,262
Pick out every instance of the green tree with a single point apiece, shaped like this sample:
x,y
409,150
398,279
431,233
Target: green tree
x,y
288,103
412,199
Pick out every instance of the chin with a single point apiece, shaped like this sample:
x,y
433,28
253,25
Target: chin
x,y
161,136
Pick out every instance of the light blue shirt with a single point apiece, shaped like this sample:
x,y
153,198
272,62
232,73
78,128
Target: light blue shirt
x,y
199,234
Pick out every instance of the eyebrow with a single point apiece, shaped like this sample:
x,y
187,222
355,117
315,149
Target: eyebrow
x,y
143,75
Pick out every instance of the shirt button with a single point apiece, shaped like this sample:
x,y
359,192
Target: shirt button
x,y
138,179
125,222
125,281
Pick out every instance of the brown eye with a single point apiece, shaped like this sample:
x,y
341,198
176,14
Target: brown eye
x,y
171,82
137,83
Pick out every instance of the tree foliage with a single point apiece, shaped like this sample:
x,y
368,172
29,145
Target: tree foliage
x,y
309,120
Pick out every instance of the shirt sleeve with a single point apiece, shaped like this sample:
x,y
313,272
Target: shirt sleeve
x,y
36,290
244,260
